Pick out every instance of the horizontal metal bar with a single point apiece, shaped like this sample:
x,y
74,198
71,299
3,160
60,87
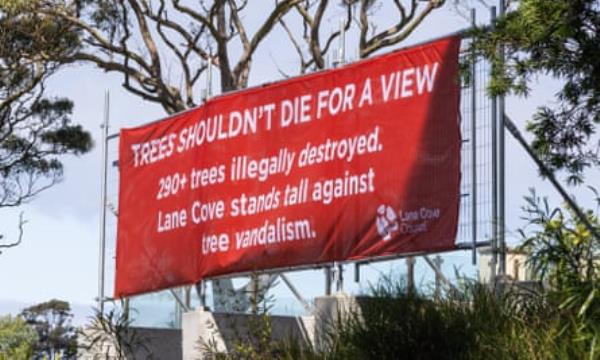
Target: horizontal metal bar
x,y
105,299
328,264
460,246
271,271
468,246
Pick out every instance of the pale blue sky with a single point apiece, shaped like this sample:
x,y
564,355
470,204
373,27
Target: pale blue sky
x,y
59,254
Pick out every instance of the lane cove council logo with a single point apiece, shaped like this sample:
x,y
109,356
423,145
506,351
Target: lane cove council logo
x,y
386,222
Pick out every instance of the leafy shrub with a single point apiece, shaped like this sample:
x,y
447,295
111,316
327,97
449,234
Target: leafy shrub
x,y
17,339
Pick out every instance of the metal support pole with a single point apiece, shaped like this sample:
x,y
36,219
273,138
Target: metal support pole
x,y
438,261
339,279
338,268
208,85
296,293
512,128
501,164
126,307
179,300
356,272
201,292
201,285
469,246
342,42
439,273
103,185
474,147
188,296
410,273
494,253
255,300
327,271
209,79
340,55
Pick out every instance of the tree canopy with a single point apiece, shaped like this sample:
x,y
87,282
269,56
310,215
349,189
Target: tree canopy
x,y
557,38
16,338
56,335
35,130
162,48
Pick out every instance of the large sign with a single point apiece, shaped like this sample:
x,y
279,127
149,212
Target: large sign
x,y
357,162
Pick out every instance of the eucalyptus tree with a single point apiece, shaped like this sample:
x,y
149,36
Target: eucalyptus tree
x,y
35,131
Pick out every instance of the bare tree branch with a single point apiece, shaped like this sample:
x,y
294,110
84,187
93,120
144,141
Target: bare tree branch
x,y
313,25
303,63
206,21
397,33
242,69
16,243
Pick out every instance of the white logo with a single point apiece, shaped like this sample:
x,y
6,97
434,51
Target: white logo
x,y
386,221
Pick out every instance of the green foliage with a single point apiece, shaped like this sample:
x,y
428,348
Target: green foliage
x,y
566,256
395,321
557,38
253,339
35,131
112,332
52,322
562,250
17,339
13,5
471,322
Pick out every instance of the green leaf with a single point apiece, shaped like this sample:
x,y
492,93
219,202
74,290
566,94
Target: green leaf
x,y
587,303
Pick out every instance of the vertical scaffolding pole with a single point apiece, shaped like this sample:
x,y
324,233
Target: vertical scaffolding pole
x,y
328,280
340,270
201,286
356,272
438,261
103,184
342,42
207,91
209,78
501,174
201,292
338,267
474,147
339,287
494,254
410,273
126,307
188,296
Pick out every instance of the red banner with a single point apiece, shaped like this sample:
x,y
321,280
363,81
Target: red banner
x,y
356,162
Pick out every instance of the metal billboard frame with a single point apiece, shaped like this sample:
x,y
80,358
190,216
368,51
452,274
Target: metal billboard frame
x,y
334,271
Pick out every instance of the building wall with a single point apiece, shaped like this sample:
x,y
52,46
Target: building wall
x,y
163,344
516,266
